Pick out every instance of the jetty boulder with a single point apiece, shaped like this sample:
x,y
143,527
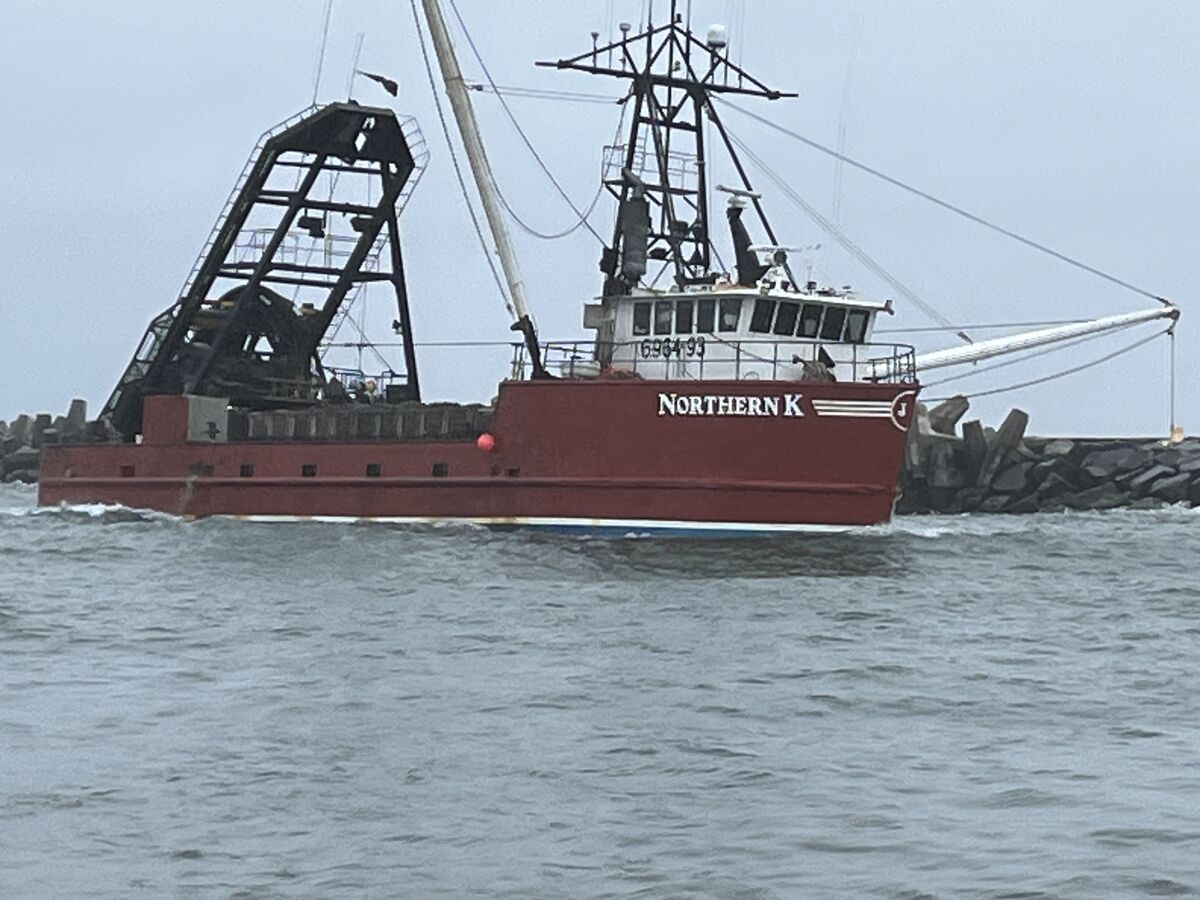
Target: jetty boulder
x,y
1104,465
1013,480
1101,496
21,430
1054,465
995,503
1060,449
40,424
1005,439
944,417
1054,486
76,419
1139,484
21,465
974,448
1171,489
1003,471
1030,504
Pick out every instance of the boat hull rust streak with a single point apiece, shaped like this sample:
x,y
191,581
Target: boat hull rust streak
x,y
597,455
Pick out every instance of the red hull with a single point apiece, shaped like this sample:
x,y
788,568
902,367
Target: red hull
x,y
747,455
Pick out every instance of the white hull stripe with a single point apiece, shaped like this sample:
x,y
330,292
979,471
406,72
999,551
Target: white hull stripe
x,y
629,526
857,413
853,409
851,404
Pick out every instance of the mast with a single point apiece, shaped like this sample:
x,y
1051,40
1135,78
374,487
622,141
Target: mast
x,y
485,182
661,180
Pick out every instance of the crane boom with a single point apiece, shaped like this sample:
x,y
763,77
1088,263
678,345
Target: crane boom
x,y
1027,340
485,182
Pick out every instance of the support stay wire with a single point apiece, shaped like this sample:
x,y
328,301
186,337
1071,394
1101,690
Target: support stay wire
x,y
582,216
853,249
1176,431
957,210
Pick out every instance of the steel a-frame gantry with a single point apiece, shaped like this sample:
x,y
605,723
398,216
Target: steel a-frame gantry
x,y
304,228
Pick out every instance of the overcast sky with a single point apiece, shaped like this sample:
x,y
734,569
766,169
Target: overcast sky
x,y
125,125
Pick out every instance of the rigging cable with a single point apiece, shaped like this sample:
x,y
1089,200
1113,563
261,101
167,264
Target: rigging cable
x,y
365,343
541,235
520,131
324,44
542,94
583,218
984,327
957,210
358,46
850,247
1171,386
462,184
1062,374
1024,357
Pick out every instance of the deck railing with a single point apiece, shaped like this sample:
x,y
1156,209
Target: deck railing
x,y
704,357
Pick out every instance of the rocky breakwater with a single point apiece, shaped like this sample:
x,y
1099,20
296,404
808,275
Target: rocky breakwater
x,y
1002,470
21,441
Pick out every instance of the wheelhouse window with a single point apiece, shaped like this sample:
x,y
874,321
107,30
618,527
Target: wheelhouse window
x,y
764,312
831,328
641,318
663,314
731,313
785,319
684,310
701,316
810,320
856,326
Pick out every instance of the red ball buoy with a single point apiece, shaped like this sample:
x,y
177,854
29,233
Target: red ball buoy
x,y
485,442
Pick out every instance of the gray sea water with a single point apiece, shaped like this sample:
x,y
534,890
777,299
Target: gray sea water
x,y
948,707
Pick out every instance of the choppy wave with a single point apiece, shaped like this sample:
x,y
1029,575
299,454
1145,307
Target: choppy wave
x,y
945,706
20,501
936,526
25,507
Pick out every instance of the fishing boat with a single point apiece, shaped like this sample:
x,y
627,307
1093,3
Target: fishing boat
x,y
708,398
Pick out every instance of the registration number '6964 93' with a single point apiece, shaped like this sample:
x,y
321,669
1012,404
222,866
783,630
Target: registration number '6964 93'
x,y
665,348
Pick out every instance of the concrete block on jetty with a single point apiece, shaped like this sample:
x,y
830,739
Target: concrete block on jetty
x,y
1006,471
22,441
